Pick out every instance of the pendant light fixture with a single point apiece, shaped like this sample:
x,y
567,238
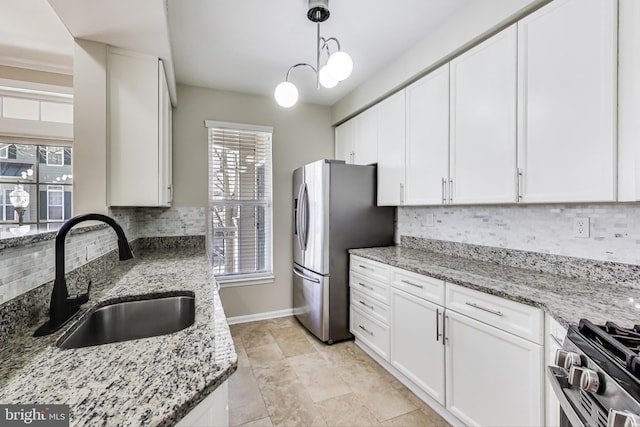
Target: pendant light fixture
x,y
337,68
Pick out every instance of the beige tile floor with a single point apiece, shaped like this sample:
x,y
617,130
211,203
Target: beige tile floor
x,y
286,377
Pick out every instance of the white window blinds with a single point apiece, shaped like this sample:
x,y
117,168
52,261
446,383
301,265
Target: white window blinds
x,y
240,196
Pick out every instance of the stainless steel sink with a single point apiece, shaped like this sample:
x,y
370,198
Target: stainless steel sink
x,y
132,320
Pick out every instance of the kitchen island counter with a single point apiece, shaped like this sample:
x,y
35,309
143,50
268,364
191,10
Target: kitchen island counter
x,y
147,382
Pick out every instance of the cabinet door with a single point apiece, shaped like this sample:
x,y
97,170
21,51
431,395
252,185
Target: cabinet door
x,y
483,122
493,378
417,348
391,142
567,108
165,185
345,141
427,142
366,142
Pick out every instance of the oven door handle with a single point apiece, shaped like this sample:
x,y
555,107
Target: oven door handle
x,y
574,419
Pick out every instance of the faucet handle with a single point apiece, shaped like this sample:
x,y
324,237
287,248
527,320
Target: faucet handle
x,y
79,299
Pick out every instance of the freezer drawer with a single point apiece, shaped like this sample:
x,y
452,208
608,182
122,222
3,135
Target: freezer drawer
x,y
311,301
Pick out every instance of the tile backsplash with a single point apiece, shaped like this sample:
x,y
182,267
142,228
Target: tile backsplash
x,y
614,228
26,267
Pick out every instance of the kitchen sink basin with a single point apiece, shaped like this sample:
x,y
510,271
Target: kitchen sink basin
x,y
132,320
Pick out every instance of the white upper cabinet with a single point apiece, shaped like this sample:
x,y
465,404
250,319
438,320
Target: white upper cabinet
x,y
139,131
357,140
567,106
483,122
346,141
629,101
391,142
427,139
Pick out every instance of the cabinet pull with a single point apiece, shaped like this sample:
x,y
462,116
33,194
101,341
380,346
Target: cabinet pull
x,y
437,324
497,313
352,157
444,195
365,329
370,307
519,183
557,340
365,286
451,191
365,267
401,193
412,284
445,320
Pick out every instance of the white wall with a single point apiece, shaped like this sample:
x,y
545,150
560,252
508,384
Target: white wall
x,y
300,135
464,28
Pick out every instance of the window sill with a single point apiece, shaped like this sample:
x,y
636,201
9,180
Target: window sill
x,y
245,281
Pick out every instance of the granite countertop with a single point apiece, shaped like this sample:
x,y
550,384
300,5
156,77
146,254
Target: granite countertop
x,y
566,299
147,382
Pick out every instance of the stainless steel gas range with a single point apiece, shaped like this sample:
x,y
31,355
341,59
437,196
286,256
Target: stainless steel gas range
x,y
597,376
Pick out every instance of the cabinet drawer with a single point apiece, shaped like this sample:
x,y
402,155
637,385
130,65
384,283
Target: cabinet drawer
x,y
370,269
371,306
421,286
369,287
371,332
510,316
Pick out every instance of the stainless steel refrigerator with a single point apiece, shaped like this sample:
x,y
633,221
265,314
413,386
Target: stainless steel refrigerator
x,y
334,209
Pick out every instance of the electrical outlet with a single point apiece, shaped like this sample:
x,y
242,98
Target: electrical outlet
x,y
429,220
581,227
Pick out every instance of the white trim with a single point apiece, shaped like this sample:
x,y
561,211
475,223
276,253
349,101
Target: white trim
x,y
260,316
244,281
237,126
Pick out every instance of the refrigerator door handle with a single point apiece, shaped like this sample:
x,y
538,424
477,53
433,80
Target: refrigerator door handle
x,y
298,215
304,221
305,277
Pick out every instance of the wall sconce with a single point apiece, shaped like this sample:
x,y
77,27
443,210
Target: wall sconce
x,y
338,67
20,200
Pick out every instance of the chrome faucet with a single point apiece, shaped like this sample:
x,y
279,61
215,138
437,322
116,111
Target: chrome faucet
x,y
63,306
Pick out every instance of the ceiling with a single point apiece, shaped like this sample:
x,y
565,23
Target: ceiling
x,y
248,46
244,46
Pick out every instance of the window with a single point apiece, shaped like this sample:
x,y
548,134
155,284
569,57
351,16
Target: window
x,y
8,211
4,152
45,172
55,203
240,208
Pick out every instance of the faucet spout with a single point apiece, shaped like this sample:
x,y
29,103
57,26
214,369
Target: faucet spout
x,y
63,306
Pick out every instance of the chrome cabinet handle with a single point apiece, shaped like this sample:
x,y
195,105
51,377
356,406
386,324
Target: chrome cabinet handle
x,y
370,307
450,191
519,175
401,193
412,284
365,286
437,324
365,267
444,195
557,340
497,313
445,321
365,329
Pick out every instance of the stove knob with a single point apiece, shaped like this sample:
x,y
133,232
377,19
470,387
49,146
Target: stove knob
x,y
585,379
622,419
567,359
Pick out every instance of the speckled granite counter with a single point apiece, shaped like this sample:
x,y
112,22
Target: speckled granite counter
x,y
566,299
149,382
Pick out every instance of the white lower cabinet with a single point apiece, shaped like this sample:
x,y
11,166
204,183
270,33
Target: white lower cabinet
x,y
213,411
418,352
493,378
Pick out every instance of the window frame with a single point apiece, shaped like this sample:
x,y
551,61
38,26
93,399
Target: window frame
x,y
52,189
4,150
48,149
264,200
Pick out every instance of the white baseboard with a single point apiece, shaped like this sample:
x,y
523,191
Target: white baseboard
x,y
260,316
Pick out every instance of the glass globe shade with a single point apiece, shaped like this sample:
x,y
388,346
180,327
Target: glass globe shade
x,y
341,65
286,94
327,79
18,197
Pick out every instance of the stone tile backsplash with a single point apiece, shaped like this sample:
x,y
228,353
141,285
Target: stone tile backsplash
x,y
26,267
548,229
